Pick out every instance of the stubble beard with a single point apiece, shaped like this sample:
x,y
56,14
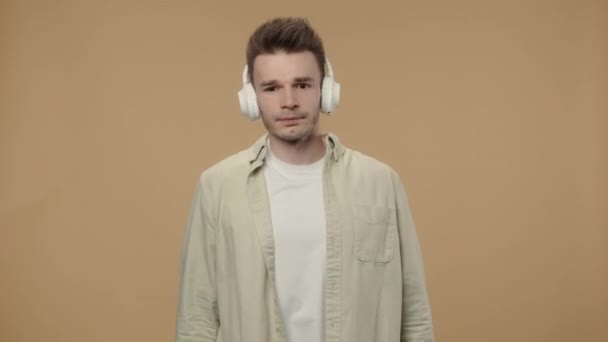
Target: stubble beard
x,y
295,138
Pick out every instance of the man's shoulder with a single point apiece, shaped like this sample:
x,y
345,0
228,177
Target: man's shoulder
x,y
368,164
227,168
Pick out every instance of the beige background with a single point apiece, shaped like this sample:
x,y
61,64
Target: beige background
x,y
495,113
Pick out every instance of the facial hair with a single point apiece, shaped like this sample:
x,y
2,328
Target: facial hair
x,y
296,138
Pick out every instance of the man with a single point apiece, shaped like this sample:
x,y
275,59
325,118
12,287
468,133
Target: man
x,y
299,238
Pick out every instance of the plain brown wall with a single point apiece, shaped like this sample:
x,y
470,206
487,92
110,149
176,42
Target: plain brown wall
x,y
495,113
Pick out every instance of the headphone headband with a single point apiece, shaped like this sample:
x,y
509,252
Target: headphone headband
x,y
246,74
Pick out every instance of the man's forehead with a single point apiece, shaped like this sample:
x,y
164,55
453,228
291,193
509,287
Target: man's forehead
x,y
282,66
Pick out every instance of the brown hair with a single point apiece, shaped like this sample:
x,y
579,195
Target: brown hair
x,y
289,34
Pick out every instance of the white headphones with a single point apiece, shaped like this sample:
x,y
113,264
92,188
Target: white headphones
x,y
330,94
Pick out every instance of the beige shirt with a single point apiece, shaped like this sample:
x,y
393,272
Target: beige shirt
x,y
375,284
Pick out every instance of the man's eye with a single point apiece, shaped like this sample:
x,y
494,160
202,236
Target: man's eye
x,y
270,89
303,85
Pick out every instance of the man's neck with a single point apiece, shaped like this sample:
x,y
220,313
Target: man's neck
x,y
304,151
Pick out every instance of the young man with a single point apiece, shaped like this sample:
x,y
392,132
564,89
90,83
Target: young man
x,y
299,238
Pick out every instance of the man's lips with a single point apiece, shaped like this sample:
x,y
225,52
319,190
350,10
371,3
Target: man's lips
x,y
289,119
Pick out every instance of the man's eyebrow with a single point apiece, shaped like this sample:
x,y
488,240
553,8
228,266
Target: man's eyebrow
x,y
303,79
268,83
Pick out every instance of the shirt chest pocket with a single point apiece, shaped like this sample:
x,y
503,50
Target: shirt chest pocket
x,y
375,229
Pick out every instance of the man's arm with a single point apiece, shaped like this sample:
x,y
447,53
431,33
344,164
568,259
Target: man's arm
x,y
416,321
197,315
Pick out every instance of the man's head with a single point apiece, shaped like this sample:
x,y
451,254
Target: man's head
x,y
286,34
285,60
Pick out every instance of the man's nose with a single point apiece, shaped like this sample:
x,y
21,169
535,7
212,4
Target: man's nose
x,y
289,99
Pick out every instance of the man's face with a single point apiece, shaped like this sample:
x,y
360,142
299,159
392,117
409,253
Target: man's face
x,y
288,90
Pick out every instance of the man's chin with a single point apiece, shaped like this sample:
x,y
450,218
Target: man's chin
x,y
291,137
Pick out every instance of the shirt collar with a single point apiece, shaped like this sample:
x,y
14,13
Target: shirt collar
x,y
259,149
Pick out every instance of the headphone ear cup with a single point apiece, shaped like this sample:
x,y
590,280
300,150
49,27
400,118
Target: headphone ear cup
x,y
248,102
330,95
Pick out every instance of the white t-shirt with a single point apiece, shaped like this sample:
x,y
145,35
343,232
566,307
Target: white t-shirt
x,y
298,220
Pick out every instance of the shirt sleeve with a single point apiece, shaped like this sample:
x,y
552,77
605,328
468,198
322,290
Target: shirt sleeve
x,y
197,314
416,321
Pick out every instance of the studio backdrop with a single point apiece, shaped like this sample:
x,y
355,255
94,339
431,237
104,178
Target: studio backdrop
x,y
494,114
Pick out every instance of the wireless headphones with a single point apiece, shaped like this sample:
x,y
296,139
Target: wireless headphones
x,y
330,94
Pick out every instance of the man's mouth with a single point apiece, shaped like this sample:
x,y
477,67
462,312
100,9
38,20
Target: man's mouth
x,y
288,119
